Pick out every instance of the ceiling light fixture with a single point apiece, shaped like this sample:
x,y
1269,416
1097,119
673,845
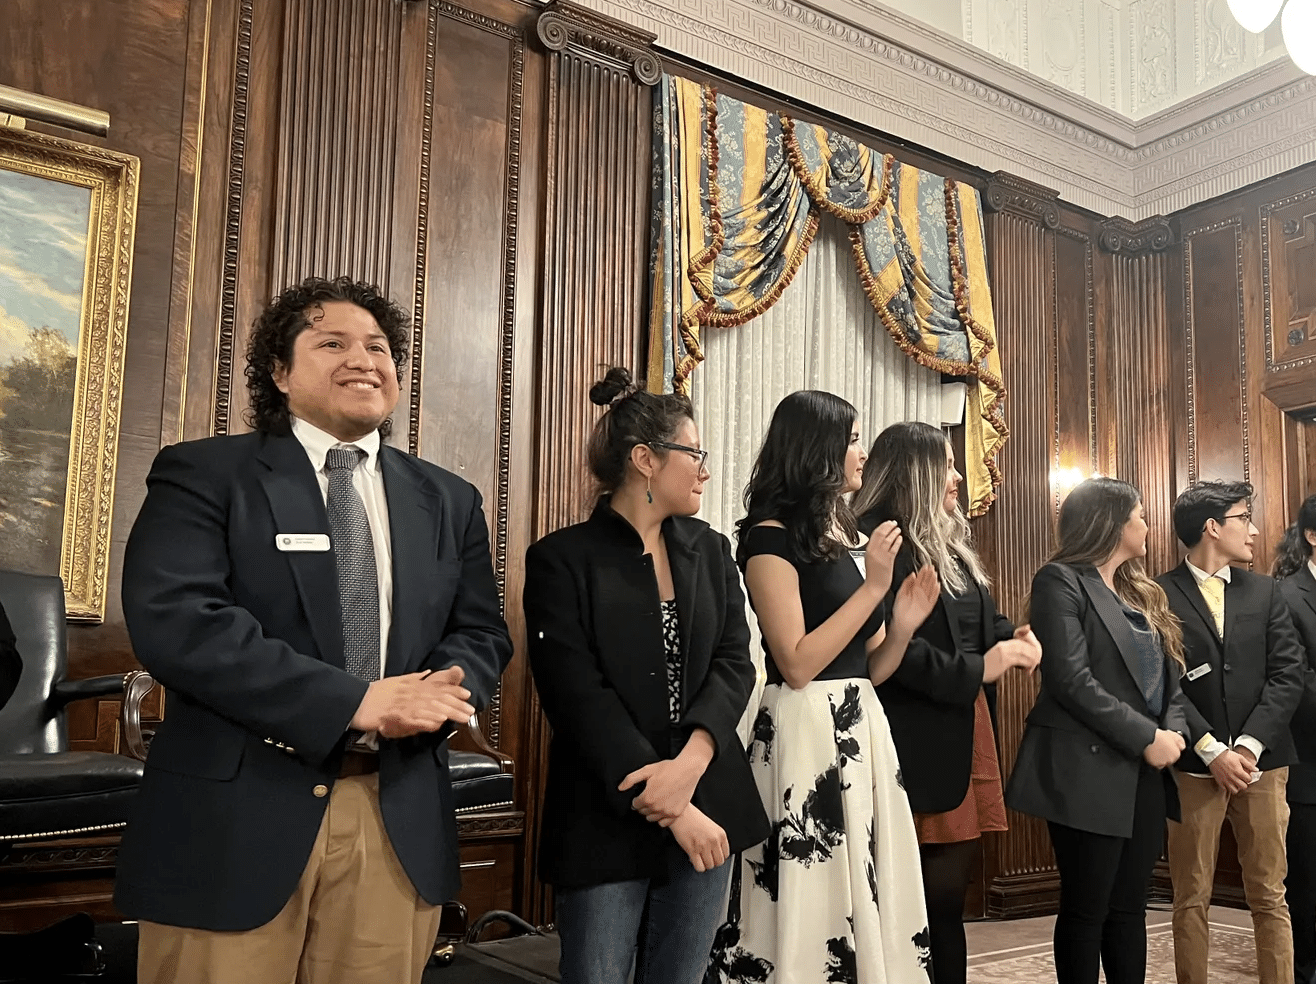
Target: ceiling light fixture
x,y
1298,24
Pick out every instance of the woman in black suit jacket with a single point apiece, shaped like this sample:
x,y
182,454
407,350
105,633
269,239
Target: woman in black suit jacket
x,y
640,652
1108,722
1294,570
936,700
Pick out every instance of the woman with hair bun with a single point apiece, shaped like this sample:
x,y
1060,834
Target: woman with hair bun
x,y
640,652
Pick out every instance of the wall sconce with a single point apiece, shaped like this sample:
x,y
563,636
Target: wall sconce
x,y
1063,480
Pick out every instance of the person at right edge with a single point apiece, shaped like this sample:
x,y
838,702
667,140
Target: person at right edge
x,y
1243,679
1295,570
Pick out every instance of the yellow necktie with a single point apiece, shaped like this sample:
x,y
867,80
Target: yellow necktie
x,y
1213,590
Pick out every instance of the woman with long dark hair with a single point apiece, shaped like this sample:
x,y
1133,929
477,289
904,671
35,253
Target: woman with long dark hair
x,y
1295,569
1108,723
834,893
640,651
935,701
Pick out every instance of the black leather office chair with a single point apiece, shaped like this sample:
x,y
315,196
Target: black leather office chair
x,y
51,798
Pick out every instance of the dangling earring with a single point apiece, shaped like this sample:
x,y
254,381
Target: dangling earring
x,y
648,490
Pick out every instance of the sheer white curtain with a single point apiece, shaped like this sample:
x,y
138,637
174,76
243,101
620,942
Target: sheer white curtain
x,y
822,334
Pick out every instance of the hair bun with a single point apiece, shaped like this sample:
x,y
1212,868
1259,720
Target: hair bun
x,y
613,386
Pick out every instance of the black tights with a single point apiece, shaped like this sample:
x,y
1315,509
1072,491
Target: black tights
x,y
947,869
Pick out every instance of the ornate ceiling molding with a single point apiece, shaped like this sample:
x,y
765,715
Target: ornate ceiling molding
x,y
866,63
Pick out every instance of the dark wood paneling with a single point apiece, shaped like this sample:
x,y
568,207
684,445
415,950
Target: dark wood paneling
x,y
596,261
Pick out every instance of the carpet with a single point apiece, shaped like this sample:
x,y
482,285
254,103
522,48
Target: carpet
x,y
1233,960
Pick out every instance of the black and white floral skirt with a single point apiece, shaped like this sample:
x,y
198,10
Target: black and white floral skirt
x,y
835,894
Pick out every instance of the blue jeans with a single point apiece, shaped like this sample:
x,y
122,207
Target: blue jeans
x,y
664,926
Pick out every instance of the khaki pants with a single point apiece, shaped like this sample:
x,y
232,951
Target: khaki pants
x,y
1260,818
354,916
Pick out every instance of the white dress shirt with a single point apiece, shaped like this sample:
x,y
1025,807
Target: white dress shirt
x,y
369,484
1209,753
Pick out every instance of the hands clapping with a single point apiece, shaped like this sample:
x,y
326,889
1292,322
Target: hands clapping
x,y
915,600
880,556
399,706
1023,650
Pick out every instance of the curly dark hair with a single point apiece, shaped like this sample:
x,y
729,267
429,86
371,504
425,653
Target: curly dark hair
x,y
799,477
278,326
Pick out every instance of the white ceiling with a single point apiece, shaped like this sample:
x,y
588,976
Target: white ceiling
x,y
1136,57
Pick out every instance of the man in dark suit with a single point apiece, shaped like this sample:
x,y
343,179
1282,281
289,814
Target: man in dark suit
x,y
1243,679
321,609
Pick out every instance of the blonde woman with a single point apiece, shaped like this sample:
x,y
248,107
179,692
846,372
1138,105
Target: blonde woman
x,y
937,698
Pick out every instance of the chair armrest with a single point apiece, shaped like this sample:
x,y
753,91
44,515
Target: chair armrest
x,y
133,686
67,691
505,764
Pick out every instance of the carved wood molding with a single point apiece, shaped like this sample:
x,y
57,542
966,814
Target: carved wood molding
x,y
84,854
566,26
499,825
1290,229
1151,235
1007,192
233,223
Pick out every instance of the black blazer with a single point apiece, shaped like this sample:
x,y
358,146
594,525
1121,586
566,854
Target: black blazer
x,y
248,642
1299,590
1256,672
1081,753
929,699
595,641
10,665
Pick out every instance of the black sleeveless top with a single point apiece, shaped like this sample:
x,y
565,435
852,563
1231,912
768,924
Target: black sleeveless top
x,y
825,586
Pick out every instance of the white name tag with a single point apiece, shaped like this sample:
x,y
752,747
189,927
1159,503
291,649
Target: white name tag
x,y
302,542
1200,671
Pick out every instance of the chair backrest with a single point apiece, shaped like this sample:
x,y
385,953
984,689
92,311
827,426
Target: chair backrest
x,y
34,604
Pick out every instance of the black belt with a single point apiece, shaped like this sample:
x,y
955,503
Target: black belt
x,y
358,764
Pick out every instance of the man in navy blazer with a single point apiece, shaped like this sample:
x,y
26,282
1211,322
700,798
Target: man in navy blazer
x,y
321,609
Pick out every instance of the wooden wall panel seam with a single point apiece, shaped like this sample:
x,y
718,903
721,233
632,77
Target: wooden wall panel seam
x,y
422,235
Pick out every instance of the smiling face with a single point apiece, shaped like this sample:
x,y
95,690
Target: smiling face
x,y
951,498
678,478
342,378
855,456
1133,539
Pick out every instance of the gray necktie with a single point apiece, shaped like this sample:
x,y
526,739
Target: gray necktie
x,y
354,554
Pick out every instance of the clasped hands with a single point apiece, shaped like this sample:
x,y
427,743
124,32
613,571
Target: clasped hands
x,y
401,706
669,786
1233,768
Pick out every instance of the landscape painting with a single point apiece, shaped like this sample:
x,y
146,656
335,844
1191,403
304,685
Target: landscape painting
x,y
67,212
43,270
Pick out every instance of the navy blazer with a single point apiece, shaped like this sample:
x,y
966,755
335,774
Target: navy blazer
x,y
1254,675
1081,753
247,640
595,642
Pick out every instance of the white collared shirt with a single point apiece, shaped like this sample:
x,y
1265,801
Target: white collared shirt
x,y
1311,566
1209,752
368,481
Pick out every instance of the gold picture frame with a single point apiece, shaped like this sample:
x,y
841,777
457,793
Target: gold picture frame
x,y
46,185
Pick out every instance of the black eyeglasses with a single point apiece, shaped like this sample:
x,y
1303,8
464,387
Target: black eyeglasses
x,y
700,456
1244,516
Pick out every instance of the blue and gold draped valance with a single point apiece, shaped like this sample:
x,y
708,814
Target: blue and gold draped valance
x,y
737,196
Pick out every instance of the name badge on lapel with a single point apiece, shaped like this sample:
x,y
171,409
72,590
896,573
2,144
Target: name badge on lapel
x,y
1199,671
302,542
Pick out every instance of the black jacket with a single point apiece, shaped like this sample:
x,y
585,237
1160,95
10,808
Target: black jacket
x,y
595,642
1081,753
1299,590
929,699
1256,672
247,640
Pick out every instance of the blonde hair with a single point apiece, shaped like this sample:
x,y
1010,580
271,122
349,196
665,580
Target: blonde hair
x,y
905,478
